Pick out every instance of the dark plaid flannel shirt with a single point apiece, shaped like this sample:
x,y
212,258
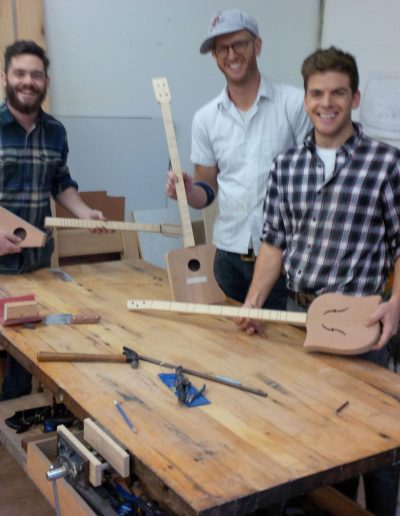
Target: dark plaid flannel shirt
x,y
340,235
33,167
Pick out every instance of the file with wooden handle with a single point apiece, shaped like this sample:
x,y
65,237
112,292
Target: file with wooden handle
x,y
79,318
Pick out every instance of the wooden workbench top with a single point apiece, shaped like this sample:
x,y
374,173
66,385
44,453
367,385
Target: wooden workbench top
x,y
241,451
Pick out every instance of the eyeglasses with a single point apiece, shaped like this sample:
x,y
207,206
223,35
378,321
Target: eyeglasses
x,y
239,47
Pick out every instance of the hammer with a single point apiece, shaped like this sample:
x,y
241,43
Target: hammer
x,y
131,357
128,356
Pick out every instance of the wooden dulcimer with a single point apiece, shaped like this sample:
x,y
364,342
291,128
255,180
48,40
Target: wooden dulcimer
x,y
334,323
30,235
191,269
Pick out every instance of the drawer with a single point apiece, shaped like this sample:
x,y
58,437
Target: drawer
x,y
40,455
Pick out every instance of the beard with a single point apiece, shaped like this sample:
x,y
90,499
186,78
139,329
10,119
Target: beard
x,y
250,72
22,107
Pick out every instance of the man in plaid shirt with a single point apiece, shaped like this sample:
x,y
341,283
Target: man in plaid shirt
x,y
332,220
33,167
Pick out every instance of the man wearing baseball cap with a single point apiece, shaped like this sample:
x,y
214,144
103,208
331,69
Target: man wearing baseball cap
x,y
235,137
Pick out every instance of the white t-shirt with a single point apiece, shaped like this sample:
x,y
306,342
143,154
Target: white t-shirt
x,y
328,156
244,153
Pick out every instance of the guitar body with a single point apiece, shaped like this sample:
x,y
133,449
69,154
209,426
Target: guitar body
x,y
191,275
337,324
30,235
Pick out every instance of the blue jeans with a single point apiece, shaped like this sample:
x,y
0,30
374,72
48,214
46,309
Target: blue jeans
x,y
381,486
234,277
17,381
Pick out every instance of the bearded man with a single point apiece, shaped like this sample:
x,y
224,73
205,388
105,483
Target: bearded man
x,y
33,168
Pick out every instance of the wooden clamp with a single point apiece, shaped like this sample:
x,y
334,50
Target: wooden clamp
x,y
116,456
103,444
95,466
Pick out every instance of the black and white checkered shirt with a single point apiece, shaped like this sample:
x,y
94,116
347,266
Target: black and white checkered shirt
x,y
340,235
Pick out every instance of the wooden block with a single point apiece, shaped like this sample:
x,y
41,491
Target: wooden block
x,y
95,466
17,320
107,447
20,310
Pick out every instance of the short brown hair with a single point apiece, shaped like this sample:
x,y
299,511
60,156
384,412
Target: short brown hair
x,y
22,46
331,59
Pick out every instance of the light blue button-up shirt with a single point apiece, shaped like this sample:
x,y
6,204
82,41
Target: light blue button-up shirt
x,y
243,148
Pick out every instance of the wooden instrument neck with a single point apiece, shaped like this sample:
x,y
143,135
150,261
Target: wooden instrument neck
x,y
187,230
281,316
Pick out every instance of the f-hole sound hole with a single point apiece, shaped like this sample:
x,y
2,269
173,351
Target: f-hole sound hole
x,y
194,265
21,233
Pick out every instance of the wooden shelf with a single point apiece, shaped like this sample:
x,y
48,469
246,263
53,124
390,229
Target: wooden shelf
x,y
9,437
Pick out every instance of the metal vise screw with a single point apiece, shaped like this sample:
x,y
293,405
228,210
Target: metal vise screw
x,y
53,474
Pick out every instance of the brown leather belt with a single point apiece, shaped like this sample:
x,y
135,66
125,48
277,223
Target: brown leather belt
x,y
249,257
302,298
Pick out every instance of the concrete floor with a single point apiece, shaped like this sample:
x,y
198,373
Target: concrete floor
x,y
19,495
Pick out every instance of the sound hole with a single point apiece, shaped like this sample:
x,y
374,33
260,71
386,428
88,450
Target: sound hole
x,y
21,233
194,265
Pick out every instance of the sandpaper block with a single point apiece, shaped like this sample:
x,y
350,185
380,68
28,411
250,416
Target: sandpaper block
x,y
18,310
30,235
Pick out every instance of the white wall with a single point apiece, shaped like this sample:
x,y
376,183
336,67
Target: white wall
x,y
105,52
369,29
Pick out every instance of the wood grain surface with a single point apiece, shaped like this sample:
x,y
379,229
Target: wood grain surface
x,y
242,451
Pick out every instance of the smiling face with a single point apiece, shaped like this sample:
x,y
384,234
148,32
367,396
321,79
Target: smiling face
x,y
238,66
25,83
329,101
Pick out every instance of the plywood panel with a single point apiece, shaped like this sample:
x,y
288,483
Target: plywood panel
x,y
30,21
6,29
30,25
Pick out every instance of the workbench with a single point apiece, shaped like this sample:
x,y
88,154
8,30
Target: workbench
x,y
242,451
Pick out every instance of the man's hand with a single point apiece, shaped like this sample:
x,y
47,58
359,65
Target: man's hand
x,y
97,215
250,326
170,188
72,201
9,243
388,314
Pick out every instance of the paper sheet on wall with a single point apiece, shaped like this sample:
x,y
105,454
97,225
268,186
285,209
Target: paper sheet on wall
x,y
380,106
